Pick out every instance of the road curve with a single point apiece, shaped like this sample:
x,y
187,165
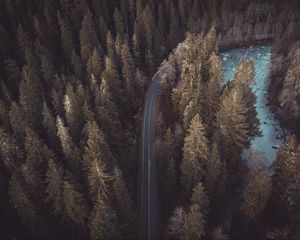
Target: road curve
x,y
147,174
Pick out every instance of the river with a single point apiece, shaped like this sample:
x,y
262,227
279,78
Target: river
x,y
267,144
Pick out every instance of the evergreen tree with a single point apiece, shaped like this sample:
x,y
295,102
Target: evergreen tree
x,y
10,152
95,65
124,203
88,37
232,125
193,227
112,78
213,171
75,207
108,115
128,72
30,96
199,198
54,189
103,222
66,33
99,161
23,204
195,154
49,125
69,148
72,112
256,194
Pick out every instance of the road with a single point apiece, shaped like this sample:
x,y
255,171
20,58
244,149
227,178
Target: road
x,y
147,175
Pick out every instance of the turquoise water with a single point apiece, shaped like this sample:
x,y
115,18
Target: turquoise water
x,y
264,147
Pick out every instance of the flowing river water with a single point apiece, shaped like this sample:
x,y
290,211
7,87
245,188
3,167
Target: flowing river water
x,y
262,148
272,136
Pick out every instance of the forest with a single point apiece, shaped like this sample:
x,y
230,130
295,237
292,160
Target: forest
x,y
74,80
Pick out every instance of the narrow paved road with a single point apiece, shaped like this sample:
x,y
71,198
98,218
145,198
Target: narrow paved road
x,y
148,181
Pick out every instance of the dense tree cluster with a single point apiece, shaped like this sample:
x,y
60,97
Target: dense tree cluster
x,y
73,80
212,122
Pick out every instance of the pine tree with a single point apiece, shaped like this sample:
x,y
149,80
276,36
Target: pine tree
x,y
193,227
199,198
103,222
23,204
66,36
88,37
111,77
111,51
75,207
286,168
49,125
10,152
54,189
72,112
77,65
168,168
30,96
18,120
212,92
108,115
69,148
37,155
98,160
175,224
213,170
232,125
256,194
195,154
243,81
95,65
128,72
24,40
119,23
124,203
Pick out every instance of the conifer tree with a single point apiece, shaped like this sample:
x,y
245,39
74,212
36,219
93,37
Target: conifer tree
x,y
18,120
193,227
95,65
119,23
88,37
175,224
66,36
212,92
75,207
213,170
103,222
111,77
37,155
49,125
69,148
10,152
199,198
128,72
256,194
54,189
24,40
124,203
111,51
77,65
23,204
232,125
98,160
30,96
72,112
286,168
195,154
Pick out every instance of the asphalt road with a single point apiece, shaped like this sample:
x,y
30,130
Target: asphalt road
x,y
147,175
